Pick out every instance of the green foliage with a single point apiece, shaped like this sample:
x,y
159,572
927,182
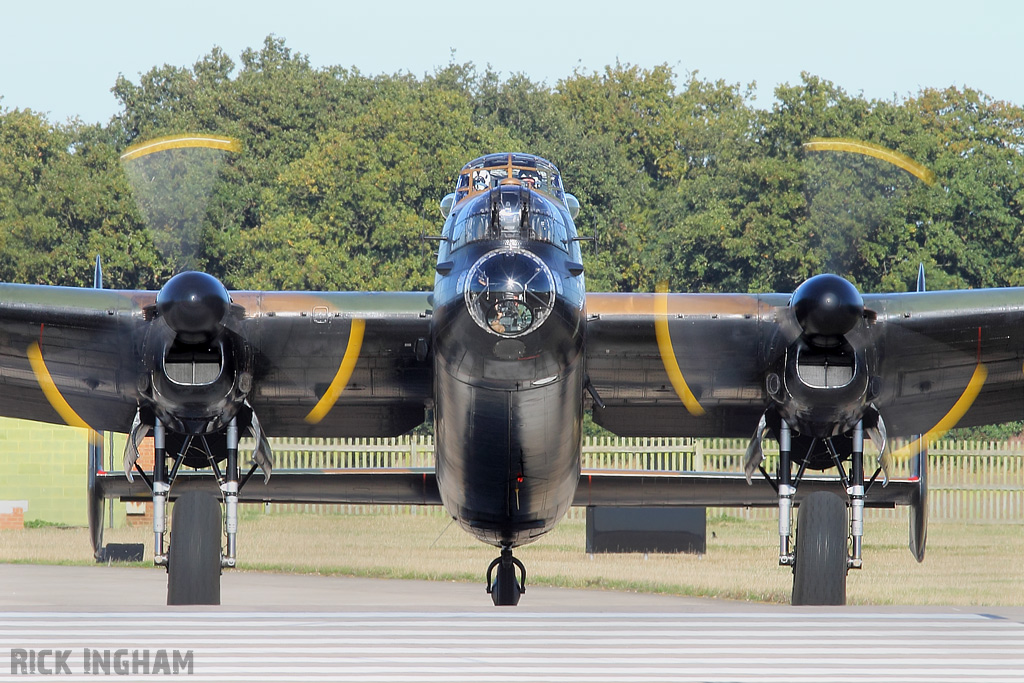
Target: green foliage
x,y
592,429
63,199
998,432
43,524
681,178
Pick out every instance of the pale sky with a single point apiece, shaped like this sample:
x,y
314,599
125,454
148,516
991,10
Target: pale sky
x,y
62,57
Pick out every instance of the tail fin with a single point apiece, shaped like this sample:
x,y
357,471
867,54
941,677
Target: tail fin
x,y
919,471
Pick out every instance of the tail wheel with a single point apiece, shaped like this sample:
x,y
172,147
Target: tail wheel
x,y
193,559
506,588
505,591
819,571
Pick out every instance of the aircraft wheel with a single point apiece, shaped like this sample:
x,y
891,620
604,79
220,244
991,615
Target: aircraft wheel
x,y
193,558
819,573
506,588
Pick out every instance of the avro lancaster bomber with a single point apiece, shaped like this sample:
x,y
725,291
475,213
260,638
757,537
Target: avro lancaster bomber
x,y
506,353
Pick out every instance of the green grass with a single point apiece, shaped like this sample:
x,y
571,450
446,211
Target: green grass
x,y
966,564
43,524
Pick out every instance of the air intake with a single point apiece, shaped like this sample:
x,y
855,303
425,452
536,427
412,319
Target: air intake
x,y
824,370
193,368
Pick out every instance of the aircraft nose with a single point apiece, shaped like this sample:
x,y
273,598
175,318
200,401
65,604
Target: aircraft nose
x,y
509,292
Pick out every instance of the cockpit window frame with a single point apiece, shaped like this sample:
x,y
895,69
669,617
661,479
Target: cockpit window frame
x,y
487,172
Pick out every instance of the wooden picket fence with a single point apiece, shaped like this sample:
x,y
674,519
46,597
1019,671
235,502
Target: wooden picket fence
x,y
969,481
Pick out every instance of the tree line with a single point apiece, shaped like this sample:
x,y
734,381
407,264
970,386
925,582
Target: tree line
x,y
682,179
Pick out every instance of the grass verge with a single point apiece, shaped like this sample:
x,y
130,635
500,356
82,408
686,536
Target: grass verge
x,y
966,564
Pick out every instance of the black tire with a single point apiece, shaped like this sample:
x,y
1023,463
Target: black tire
x,y
193,558
819,574
505,591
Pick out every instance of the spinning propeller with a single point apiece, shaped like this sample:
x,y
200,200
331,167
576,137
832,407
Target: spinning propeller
x,y
173,179
199,363
826,319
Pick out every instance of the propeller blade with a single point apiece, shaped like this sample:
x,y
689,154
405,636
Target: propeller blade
x,y
172,180
262,454
878,435
138,432
891,156
755,452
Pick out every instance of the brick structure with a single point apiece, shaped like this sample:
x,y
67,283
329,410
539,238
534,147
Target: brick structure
x,y
47,466
12,514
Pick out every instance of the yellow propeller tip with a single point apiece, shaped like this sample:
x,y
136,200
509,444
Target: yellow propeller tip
x,y
181,141
870,149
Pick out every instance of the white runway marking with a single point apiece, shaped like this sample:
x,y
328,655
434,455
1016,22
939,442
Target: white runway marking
x,y
516,646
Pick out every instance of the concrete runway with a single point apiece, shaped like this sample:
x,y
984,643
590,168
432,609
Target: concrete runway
x,y
277,627
121,588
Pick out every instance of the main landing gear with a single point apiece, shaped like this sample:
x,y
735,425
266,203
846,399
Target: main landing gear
x,y
506,588
194,558
828,541
196,554
820,562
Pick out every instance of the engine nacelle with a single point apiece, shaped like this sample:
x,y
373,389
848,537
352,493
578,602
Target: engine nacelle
x,y
199,367
821,380
820,392
827,307
193,304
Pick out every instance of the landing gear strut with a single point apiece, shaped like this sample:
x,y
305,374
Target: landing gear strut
x,y
506,588
194,559
829,540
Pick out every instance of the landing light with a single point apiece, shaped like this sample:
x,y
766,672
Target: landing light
x,y
573,205
447,203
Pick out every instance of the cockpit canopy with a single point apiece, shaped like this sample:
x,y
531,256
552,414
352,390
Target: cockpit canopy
x,y
510,197
494,170
509,212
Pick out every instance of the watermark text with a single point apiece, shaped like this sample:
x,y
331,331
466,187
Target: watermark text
x,y
121,662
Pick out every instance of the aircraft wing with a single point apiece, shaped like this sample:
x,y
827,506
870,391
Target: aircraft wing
x,y
304,343
69,355
695,364
77,355
950,358
395,486
712,342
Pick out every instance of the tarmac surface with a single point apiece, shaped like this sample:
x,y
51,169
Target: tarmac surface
x,y
110,623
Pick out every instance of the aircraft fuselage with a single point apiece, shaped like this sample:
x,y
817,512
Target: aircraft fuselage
x,y
508,339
